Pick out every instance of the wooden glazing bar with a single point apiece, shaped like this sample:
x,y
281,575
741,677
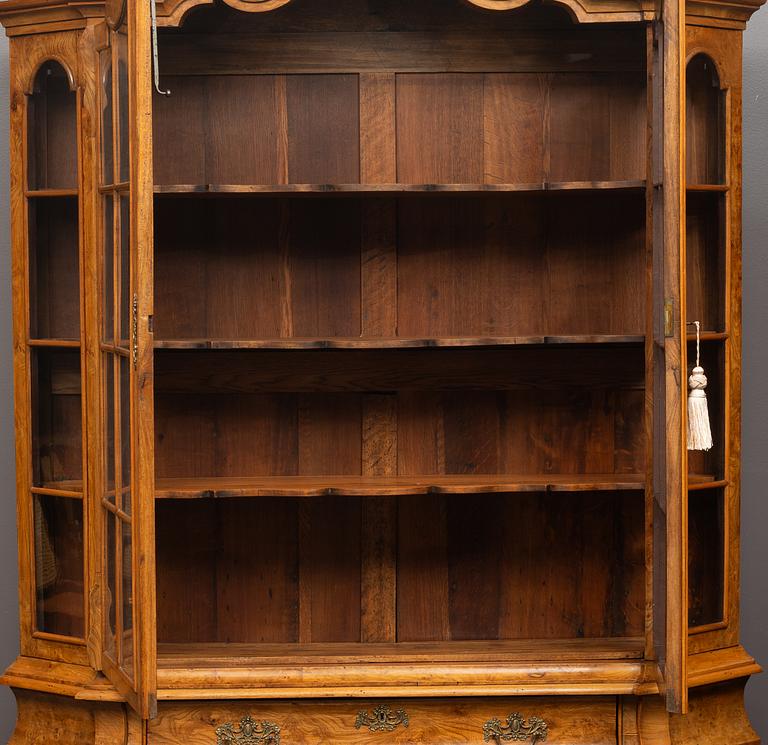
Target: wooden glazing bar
x,y
694,484
715,188
51,193
54,492
54,343
59,638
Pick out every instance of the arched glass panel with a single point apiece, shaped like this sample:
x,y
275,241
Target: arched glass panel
x,y
56,405
706,260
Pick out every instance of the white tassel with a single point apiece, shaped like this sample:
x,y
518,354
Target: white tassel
x,y
699,431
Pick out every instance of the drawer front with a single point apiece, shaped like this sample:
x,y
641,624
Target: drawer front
x,y
569,721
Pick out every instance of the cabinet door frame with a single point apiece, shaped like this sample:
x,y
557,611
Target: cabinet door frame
x,y
131,187
723,47
669,350
27,57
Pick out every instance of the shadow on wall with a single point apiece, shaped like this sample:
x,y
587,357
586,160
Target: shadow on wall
x,y
9,634
755,443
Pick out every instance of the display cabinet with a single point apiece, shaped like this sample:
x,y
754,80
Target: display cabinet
x,y
351,347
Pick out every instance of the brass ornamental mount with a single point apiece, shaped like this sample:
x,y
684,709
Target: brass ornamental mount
x,y
516,729
135,331
382,719
248,732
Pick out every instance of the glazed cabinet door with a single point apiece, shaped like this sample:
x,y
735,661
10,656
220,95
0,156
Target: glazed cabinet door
x,y
127,493
669,356
50,358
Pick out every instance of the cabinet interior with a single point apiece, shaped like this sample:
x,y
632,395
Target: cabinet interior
x,y
390,273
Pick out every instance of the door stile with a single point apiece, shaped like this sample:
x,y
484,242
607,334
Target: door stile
x,y
89,211
670,365
141,203
129,657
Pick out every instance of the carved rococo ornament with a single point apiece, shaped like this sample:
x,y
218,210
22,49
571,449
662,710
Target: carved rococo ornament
x,y
516,729
383,719
249,732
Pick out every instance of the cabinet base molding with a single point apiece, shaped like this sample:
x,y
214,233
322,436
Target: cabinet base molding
x,y
717,717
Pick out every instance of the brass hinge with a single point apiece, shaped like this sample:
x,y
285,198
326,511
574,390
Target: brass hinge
x,y
669,317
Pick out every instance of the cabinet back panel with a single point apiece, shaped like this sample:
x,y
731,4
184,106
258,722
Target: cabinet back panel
x,y
705,260
54,258
565,264
480,567
711,462
470,128
238,268
437,432
705,123
57,411
525,367
522,566
706,557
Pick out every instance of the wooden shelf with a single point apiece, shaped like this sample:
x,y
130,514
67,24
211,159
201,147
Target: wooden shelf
x,y
426,669
394,189
255,655
367,486
297,343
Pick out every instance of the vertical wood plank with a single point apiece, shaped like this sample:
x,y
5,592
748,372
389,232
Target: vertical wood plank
x,y
379,522
329,528
378,148
514,118
323,129
257,580
234,156
187,548
670,471
378,165
178,128
440,129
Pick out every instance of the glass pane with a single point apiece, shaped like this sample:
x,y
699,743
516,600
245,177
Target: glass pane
x,y
107,143
125,432
111,550
711,463
125,272
123,99
57,432
54,269
706,557
109,269
127,609
52,131
59,565
705,121
109,426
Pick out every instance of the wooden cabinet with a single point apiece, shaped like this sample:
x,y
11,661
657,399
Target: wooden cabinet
x,y
351,350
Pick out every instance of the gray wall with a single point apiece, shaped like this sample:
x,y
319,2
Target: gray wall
x,y
9,616
755,494
754,598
